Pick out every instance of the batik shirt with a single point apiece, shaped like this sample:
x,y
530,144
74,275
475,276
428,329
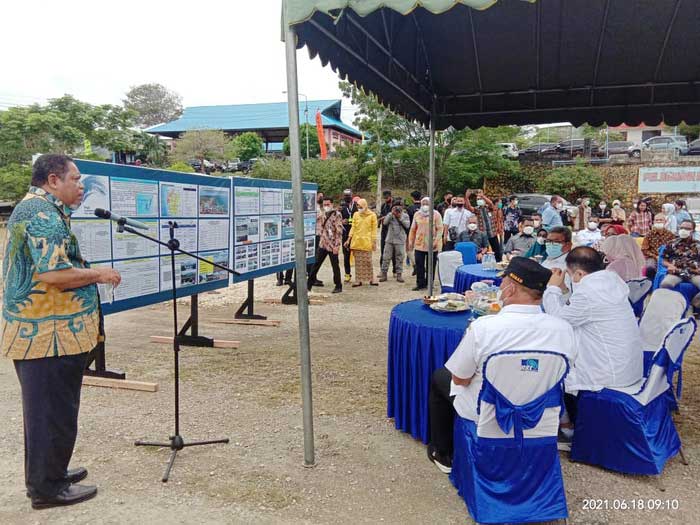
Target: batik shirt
x,y
40,320
684,254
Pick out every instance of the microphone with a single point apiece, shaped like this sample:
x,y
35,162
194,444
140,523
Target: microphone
x,y
106,214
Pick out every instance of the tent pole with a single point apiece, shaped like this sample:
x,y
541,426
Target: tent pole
x,y
299,246
431,194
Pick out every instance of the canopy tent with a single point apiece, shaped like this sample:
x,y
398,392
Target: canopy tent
x,y
487,63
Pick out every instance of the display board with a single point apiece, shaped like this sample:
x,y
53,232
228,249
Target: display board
x,y
676,179
263,226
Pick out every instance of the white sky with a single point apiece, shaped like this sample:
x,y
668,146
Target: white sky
x,y
209,51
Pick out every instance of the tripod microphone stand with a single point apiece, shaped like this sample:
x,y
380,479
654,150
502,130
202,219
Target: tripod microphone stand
x,y
177,442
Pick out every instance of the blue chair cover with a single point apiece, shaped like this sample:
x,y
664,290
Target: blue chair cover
x,y
510,480
663,358
615,431
468,251
471,273
686,288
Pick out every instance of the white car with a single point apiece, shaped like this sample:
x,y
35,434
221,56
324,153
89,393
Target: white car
x,y
510,149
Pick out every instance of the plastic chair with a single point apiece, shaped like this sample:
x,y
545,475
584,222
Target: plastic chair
x,y
468,251
506,465
664,310
629,429
639,290
448,262
675,344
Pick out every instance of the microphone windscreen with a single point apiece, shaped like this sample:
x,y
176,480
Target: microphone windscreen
x,y
102,214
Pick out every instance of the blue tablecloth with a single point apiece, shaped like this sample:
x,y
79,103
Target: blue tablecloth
x,y
471,273
420,341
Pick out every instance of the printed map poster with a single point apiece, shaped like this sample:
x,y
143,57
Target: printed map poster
x,y
271,228
309,200
208,272
287,226
309,224
213,202
270,201
94,238
178,200
213,234
247,200
185,233
185,272
247,230
288,201
95,195
134,197
310,246
139,277
127,245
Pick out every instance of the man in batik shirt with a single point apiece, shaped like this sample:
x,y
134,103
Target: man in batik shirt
x,y
331,228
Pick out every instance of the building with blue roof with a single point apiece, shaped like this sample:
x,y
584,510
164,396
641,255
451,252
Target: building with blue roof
x,y
270,121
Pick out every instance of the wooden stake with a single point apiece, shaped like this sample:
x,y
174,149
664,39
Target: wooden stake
x,y
251,322
124,384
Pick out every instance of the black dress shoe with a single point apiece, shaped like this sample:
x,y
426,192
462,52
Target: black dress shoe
x,y
70,496
318,283
337,290
75,475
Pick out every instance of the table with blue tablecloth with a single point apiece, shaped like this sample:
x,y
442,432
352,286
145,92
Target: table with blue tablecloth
x,y
469,274
420,341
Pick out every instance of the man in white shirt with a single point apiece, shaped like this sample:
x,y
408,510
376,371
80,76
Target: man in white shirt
x,y
456,219
591,236
521,325
608,341
558,246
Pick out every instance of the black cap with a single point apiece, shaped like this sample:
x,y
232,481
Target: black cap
x,y
528,273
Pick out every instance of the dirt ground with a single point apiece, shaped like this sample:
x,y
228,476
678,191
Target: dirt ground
x,y
366,471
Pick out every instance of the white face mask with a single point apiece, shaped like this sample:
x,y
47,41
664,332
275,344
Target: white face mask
x,y
328,208
425,208
541,241
592,225
527,230
603,206
536,223
480,202
472,227
683,233
616,206
659,225
559,206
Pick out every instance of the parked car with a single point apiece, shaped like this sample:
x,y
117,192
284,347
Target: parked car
x,y
531,203
616,147
662,143
510,150
576,147
538,150
694,148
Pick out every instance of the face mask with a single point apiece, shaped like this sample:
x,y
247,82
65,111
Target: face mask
x,y
515,203
472,227
560,206
541,240
361,210
480,202
684,234
659,225
536,223
592,225
616,206
585,203
500,205
554,249
425,208
602,206
328,209
527,230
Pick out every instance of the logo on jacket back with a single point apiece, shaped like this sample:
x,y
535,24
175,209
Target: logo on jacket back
x,y
529,365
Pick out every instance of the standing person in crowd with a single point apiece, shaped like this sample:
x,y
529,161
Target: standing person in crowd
x,y
520,243
362,241
624,256
319,220
538,249
682,260
499,224
551,217
659,236
618,214
472,234
485,212
603,213
608,342
397,225
640,220
591,236
347,211
681,212
50,321
385,210
668,210
331,238
446,204
411,210
512,216
455,222
418,241
583,215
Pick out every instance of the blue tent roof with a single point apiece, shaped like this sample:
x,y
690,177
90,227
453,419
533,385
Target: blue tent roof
x,y
252,117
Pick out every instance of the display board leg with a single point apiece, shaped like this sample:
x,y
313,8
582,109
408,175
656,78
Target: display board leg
x,y
192,325
97,355
290,296
249,305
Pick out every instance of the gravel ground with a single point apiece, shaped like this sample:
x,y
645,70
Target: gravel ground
x,y
366,471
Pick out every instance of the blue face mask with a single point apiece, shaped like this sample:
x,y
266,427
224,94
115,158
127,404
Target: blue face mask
x,y
554,250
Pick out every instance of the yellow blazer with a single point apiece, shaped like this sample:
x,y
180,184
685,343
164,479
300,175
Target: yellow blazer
x,y
364,231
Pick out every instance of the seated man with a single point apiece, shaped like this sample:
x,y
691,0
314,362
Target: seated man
x,y
472,234
608,341
558,246
682,260
520,325
591,236
520,243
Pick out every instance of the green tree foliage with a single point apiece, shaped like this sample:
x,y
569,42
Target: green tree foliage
x,y
572,182
200,145
245,146
691,132
181,166
314,144
14,181
153,104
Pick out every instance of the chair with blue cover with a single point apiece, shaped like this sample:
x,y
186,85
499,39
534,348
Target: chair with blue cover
x,y
506,465
630,429
468,251
448,262
639,290
664,310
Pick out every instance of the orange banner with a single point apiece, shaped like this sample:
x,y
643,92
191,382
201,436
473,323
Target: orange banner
x,y
321,138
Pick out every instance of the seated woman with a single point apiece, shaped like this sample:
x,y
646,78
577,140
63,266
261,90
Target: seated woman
x,y
538,248
610,230
624,256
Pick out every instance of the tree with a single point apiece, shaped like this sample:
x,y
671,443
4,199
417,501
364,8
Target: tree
x,y
245,146
572,182
14,181
181,166
314,145
201,145
153,104
691,132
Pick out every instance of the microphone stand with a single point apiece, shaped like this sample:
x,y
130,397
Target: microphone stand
x,y
177,442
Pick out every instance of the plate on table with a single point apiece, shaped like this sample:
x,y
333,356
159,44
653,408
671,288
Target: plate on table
x,y
450,306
